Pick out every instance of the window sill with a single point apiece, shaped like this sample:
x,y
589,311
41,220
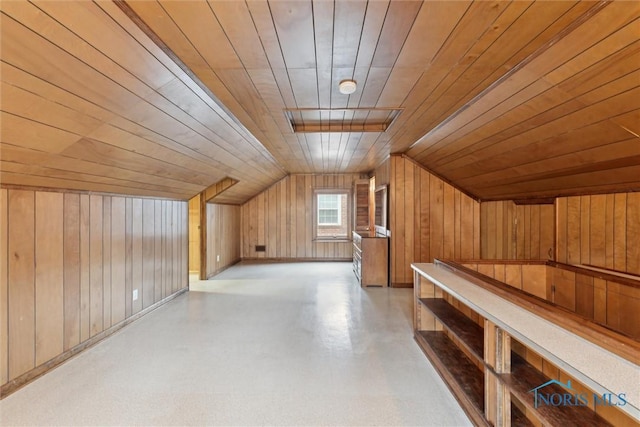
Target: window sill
x,y
332,240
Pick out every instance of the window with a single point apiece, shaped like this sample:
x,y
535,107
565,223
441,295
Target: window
x,y
329,209
331,214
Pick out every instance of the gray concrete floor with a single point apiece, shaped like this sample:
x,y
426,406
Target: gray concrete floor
x,y
261,344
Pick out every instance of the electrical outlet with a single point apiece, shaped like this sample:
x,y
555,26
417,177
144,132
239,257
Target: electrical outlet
x,y
218,258
135,294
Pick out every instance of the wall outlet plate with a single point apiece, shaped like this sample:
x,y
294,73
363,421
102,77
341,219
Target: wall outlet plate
x,y
135,294
217,258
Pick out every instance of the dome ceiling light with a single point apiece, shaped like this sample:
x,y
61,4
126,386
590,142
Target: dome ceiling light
x,y
347,87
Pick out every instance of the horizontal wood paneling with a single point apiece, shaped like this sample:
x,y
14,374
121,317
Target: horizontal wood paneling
x,y
428,219
282,219
223,237
510,231
600,230
64,280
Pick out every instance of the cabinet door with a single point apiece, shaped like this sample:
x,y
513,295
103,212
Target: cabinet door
x,y
361,205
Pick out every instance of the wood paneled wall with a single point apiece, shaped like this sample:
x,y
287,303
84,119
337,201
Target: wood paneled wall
x,y
428,219
382,173
530,277
223,237
510,231
194,233
282,219
600,230
69,264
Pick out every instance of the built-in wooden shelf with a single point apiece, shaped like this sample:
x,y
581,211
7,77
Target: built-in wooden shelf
x,y
518,419
469,333
470,347
464,378
524,377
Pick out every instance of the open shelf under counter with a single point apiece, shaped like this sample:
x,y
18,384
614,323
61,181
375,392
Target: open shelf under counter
x,y
507,377
466,330
463,377
524,378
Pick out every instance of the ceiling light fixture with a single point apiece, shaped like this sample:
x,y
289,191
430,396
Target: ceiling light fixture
x,y
347,87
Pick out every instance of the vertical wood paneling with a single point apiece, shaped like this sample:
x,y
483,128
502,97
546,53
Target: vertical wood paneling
x,y
70,260
106,262
562,212
71,270
281,218
633,233
175,259
4,301
429,219
547,232
425,214
619,232
96,241
118,259
158,257
409,214
510,231
136,255
148,253
128,236
85,264
49,290
223,236
21,284
597,226
194,233
573,229
600,230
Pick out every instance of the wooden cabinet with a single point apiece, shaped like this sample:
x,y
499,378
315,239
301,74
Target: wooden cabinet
x,y
496,357
371,259
361,220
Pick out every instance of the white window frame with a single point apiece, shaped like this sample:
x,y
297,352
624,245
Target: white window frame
x,y
338,208
340,191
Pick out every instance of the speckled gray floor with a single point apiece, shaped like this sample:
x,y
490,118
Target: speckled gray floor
x,y
262,344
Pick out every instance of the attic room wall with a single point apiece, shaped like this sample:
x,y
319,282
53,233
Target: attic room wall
x,y
600,230
510,231
428,219
69,265
281,218
223,237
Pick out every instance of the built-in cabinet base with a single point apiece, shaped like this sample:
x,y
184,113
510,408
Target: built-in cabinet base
x,y
370,259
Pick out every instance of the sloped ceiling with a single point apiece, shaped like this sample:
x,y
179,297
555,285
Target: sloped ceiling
x,y
507,100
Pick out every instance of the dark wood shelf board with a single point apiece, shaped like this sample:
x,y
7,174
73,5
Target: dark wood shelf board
x,y
518,419
466,330
524,378
462,376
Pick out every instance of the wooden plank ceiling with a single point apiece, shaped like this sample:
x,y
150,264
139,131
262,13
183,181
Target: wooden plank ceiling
x,y
507,100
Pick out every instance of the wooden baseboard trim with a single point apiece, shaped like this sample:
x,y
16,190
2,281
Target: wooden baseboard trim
x,y
209,276
401,285
299,259
38,371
